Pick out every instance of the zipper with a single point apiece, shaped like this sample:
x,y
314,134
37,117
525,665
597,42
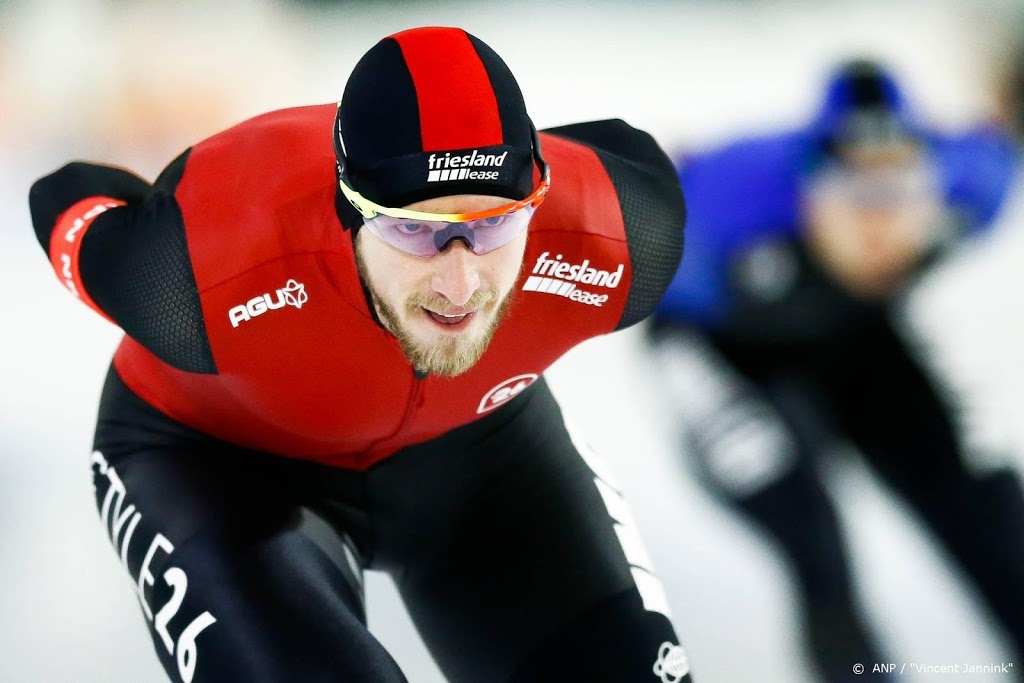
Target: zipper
x,y
410,408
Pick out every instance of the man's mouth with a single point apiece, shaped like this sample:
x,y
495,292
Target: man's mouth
x,y
451,321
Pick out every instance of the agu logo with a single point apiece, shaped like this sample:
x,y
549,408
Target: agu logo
x,y
292,294
505,392
672,663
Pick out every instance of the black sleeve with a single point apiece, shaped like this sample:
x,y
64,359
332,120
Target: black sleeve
x,y
52,195
652,206
134,260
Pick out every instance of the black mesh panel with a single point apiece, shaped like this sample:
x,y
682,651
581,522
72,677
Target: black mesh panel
x,y
652,207
654,214
136,266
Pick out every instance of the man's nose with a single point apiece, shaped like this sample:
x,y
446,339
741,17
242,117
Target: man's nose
x,y
456,278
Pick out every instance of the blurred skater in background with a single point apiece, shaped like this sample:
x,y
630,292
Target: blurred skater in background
x,y
1010,89
780,336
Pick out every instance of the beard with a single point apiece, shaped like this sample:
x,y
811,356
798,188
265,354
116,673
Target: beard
x,y
448,354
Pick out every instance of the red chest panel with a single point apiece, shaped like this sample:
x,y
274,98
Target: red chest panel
x,y
303,369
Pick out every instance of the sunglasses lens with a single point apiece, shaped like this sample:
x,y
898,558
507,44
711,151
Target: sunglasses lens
x,y
877,188
428,238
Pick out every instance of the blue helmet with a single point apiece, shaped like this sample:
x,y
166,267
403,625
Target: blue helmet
x,y
863,104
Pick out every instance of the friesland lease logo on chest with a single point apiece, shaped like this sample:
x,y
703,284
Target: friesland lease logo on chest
x,y
579,282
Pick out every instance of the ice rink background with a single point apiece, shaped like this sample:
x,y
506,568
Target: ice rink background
x,y
135,83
